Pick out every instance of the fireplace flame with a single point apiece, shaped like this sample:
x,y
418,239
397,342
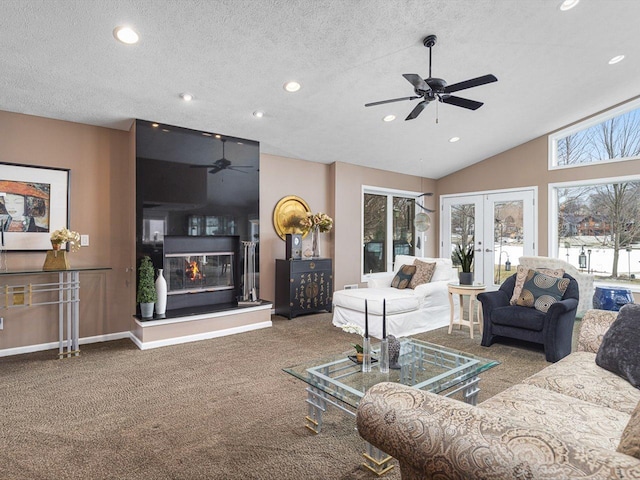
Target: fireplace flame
x,y
193,272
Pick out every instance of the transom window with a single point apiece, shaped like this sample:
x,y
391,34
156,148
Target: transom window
x,y
610,137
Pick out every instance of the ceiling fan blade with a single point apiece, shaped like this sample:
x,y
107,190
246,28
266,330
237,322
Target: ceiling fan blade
x,y
390,101
215,170
461,102
417,81
236,170
474,82
199,166
416,111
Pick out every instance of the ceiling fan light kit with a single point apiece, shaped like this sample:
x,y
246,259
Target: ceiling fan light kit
x,y
430,89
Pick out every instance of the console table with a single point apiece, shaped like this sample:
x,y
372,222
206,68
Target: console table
x,y
68,301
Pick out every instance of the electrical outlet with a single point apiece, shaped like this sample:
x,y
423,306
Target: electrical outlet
x,y
84,240
1,323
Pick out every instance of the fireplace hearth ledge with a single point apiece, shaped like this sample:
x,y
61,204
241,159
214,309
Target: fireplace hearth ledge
x,y
194,327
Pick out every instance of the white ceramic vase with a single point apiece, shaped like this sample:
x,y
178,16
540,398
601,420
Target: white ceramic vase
x,y
161,290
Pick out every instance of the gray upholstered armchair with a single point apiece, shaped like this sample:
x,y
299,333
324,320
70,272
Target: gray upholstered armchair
x,y
553,329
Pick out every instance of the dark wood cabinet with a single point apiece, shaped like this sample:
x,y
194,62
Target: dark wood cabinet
x,y
303,286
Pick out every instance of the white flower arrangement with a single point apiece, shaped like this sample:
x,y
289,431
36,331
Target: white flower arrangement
x,y
352,328
64,235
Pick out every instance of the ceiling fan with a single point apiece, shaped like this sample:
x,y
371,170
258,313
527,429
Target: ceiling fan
x,y
222,164
430,89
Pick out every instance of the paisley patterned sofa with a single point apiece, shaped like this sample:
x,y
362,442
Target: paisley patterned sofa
x,y
564,422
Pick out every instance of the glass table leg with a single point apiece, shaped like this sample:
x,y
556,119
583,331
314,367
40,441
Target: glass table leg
x,y
316,405
376,460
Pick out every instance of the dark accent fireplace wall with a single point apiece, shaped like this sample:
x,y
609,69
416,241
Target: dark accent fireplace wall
x,y
194,248
185,188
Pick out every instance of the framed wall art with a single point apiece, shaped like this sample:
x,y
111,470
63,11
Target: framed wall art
x,y
34,201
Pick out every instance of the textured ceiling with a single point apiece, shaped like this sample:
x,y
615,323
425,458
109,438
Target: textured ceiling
x,y
58,59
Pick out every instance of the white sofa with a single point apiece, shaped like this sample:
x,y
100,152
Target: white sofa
x,y
408,311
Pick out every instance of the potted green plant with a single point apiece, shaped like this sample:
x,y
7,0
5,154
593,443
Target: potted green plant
x,y
464,257
146,295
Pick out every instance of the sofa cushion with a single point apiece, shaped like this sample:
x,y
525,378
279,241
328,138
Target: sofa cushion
x,y
630,442
397,301
403,277
424,273
577,375
518,317
541,291
619,352
573,420
521,277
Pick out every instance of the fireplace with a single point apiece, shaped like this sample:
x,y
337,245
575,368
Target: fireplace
x,y
201,270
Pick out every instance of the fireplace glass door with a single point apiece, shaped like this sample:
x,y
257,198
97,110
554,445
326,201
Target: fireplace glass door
x,y
199,272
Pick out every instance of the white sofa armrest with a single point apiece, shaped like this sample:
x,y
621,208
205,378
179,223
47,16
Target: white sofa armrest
x,y
433,293
380,281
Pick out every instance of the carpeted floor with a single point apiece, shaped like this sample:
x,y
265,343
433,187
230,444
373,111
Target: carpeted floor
x,y
215,409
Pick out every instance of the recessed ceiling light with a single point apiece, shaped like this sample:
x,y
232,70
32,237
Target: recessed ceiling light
x,y
292,86
155,125
187,97
568,4
126,35
165,130
240,143
454,139
258,114
207,134
616,59
389,118
218,135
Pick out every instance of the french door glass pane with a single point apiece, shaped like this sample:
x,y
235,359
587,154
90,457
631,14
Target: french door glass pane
x,y
375,233
462,227
508,243
403,229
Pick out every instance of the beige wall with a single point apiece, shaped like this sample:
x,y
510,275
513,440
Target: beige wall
x,y
280,177
102,206
335,189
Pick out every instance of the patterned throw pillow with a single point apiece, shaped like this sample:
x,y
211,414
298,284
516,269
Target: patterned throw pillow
x,y
403,277
630,441
521,277
541,291
424,273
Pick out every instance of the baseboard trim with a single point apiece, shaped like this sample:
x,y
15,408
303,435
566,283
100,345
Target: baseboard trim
x,y
199,336
7,352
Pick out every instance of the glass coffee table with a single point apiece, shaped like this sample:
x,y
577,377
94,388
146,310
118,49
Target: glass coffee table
x,y
337,380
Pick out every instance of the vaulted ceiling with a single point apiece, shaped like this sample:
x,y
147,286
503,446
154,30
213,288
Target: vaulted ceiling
x,y
59,59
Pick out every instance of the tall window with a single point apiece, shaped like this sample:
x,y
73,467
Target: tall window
x,y
598,228
387,228
597,223
609,137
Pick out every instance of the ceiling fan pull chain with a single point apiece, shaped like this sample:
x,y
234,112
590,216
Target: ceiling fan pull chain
x,y
437,112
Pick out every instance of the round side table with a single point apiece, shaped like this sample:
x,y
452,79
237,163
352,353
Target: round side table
x,y
472,291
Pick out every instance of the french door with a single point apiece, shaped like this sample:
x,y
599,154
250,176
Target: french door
x,y
501,226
